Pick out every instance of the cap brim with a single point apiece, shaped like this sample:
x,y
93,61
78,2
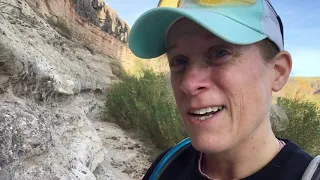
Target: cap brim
x,y
148,35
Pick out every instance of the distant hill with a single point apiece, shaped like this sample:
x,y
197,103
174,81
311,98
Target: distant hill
x,y
307,88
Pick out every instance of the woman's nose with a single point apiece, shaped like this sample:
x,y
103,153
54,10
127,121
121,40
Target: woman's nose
x,y
196,79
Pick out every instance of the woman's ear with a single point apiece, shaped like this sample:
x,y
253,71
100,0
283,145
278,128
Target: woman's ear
x,y
282,65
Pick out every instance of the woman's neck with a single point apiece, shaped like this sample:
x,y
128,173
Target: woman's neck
x,y
245,159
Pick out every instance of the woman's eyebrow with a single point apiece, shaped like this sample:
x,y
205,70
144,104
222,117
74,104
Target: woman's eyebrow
x,y
171,47
218,41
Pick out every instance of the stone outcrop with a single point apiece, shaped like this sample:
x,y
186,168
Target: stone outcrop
x,y
53,83
103,16
316,86
85,20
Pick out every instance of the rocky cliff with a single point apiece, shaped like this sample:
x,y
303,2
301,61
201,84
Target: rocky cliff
x,y
103,16
55,70
97,26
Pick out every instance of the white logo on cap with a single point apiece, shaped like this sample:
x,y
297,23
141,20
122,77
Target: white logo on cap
x,y
186,3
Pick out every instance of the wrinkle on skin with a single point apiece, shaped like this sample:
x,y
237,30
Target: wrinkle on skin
x,y
239,141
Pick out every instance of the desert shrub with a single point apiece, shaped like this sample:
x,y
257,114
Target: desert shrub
x,y
147,105
304,124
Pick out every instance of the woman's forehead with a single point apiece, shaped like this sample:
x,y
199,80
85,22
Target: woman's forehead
x,y
185,29
185,26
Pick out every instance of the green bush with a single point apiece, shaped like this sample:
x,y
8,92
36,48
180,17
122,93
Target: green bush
x,y
146,104
304,124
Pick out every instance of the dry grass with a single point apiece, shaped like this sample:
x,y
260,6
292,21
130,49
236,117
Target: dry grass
x,y
301,88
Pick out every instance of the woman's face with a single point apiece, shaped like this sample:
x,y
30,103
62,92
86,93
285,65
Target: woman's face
x,y
222,91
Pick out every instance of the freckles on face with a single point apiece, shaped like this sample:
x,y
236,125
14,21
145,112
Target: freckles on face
x,y
221,89
248,93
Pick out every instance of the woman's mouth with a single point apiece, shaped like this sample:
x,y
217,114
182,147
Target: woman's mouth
x,y
205,113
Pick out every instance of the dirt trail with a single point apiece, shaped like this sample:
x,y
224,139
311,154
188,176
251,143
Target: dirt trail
x,y
125,158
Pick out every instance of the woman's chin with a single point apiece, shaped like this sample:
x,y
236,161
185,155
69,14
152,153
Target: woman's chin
x,y
209,144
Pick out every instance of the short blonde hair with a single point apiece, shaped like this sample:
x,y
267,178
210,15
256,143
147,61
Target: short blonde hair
x,y
278,117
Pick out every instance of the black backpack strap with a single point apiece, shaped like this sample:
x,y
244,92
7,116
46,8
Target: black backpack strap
x,y
313,170
171,155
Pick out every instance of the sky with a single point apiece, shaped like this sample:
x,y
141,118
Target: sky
x,y
301,21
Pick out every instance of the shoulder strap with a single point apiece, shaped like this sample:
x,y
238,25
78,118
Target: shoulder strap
x,y
172,154
313,170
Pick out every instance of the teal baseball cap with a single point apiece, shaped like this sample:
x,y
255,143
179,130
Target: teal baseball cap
x,y
235,22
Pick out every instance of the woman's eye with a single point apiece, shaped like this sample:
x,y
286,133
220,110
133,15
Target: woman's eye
x,y
218,56
220,53
178,63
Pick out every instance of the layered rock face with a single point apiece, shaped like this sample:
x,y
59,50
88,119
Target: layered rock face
x,y
101,15
88,21
55,70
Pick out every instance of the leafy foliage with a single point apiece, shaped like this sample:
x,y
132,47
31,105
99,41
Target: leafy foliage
x,y
304,126
146,104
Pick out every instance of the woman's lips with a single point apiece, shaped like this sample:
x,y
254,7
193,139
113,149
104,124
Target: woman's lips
x,y
200,116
